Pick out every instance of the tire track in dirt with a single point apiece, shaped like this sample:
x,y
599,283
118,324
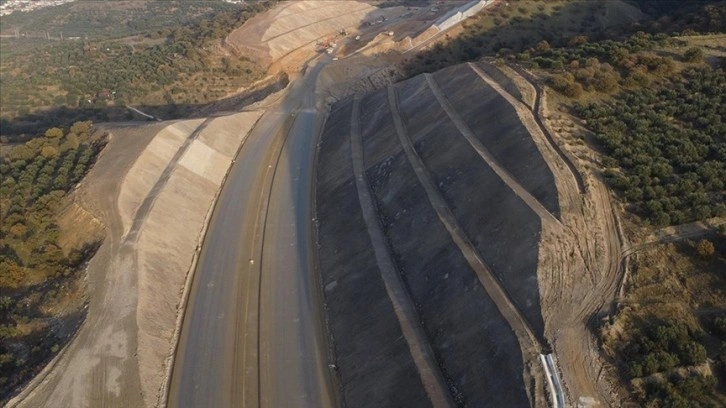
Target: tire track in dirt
x,y
467,133
418,344
529,342
553,279
593,225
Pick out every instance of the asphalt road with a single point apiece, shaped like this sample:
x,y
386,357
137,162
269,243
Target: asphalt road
x,y
252,336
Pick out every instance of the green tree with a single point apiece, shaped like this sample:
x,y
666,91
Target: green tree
x,y
705,248
694,54
49,152
54,133
80,128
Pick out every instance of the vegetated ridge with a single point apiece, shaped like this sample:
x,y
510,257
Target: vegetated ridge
x,y
95,79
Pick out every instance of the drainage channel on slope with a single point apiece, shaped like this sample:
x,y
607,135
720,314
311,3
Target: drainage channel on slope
x,y
413,333
465,131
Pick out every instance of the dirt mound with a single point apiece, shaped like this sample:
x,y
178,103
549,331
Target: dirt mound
x,y
78,228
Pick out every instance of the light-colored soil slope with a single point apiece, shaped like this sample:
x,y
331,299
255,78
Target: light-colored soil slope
x,y
171,234
81,374
149,167
293,25
284,38
154,188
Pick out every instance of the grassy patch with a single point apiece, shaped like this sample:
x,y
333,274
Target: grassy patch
x,y
104,19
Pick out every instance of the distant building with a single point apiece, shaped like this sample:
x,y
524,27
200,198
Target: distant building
x,y
11,6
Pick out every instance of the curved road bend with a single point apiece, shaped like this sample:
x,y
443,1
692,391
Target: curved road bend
x,y
252,335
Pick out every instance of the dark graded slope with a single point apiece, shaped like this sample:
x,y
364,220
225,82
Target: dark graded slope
x,y
474,346
501,226
478,355
333,166
496,124
374,363
493,71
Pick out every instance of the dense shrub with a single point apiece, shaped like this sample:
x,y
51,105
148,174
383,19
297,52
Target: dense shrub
x,y
34,178
566,85
679,391
670,145
661,348
694,54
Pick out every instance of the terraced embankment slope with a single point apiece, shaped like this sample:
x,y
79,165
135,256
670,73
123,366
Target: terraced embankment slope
x,y
153,188
463,197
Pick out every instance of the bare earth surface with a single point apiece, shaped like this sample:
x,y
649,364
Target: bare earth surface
x,y
78,377
581,273
500,244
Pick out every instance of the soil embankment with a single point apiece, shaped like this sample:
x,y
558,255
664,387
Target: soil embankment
x,y
579,269
437,222
152,187
270,37
171,234
353,286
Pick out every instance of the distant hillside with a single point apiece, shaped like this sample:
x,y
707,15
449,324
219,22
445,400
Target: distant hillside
x,y
85,79
103,19
516,25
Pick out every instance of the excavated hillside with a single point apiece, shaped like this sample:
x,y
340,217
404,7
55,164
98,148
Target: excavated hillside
x,y
449,232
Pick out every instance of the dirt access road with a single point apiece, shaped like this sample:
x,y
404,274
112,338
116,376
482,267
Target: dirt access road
x,y
253,334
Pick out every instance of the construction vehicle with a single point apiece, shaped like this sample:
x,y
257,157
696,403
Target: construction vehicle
x,y
324,44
